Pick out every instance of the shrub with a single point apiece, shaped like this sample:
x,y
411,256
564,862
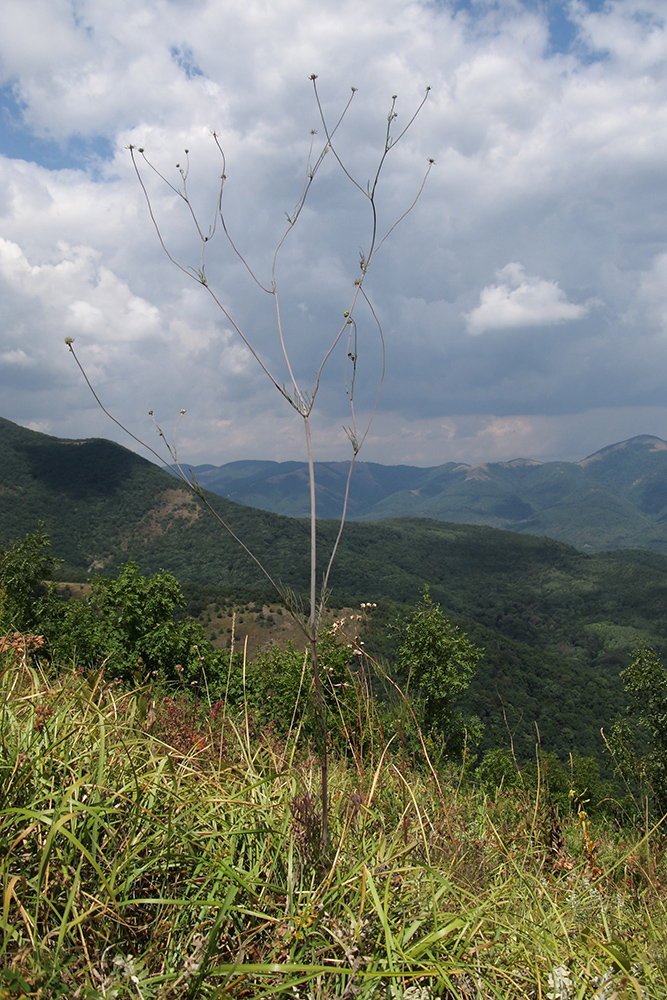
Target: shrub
x,y
23,568
438,662
129,625
640,751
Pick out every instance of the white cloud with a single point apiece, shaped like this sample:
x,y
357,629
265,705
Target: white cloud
x,y
483,437
553,159
16,357
85,296
521,300
632,34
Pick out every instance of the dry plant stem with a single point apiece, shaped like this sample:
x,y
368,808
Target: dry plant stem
x,y
314,634
427,758
300,400
191,483
356,446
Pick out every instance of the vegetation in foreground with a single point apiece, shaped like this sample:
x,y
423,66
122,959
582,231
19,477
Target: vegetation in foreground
x,y
157,846
160,826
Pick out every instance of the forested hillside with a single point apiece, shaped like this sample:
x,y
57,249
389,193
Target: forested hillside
x,y
557,624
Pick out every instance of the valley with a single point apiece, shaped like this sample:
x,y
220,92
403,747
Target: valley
x,y
557,624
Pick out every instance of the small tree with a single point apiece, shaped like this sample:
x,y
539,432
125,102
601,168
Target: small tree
x,y
23,568
128,624
646,682
438,661
348,333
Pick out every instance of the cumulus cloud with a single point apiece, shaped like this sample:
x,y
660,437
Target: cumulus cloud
x,y
549,151
86,296
521,300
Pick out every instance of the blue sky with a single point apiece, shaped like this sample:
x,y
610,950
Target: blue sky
x,y
562,27
19,142
522,301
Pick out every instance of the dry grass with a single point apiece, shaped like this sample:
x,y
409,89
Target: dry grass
x,y
151,847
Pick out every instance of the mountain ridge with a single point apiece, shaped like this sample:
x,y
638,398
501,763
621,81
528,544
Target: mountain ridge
x,y
613,498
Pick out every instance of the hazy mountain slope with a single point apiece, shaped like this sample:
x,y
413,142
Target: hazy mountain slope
x,y
637,469
615,498
103,504
282,487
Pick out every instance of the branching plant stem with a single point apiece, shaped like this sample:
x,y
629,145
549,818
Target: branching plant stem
x,y
301,400
189,481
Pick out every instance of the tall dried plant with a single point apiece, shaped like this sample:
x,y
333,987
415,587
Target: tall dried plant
x,y
301,400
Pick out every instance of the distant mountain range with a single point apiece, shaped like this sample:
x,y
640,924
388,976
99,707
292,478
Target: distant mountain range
x,y
557,624
615,498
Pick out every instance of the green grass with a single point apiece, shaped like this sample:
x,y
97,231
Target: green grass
x,y
155,847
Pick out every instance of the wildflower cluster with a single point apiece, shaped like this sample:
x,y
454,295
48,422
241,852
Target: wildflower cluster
x,y
350,635
19,642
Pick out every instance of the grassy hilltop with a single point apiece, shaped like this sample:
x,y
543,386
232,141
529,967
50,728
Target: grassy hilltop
x,y
158,848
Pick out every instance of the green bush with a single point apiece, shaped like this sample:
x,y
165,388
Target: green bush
x,y
278,689
129,625
438,661
497,771
23,568
640,750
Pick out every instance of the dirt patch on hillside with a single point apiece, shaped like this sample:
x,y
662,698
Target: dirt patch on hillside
x,y
171,506
262,626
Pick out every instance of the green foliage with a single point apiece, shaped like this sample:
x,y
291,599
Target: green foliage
x,y
438,662
277,685
24,566
279,693
557,625
497,771
571,693
74,632
570,788
129,625
150,847
646,682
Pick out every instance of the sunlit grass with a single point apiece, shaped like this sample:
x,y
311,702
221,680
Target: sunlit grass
x,y
152,848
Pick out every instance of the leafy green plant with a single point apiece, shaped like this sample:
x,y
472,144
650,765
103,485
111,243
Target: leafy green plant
x,y
640,751
129,625
497,771
23,568
438,661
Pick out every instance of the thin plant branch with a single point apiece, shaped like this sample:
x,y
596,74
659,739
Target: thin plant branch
x,y
299,398
191,483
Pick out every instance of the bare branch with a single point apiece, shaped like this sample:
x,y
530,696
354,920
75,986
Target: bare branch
x,y
356,447
191,483
301,400
408,209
